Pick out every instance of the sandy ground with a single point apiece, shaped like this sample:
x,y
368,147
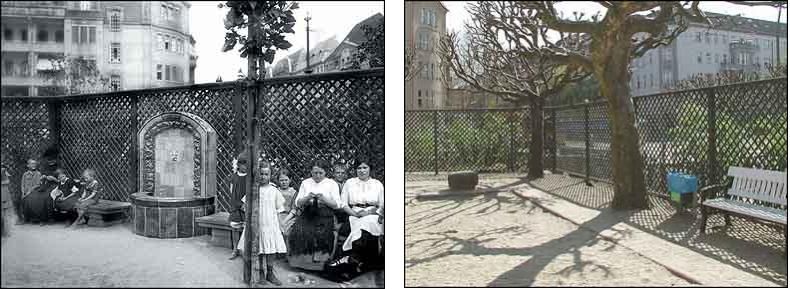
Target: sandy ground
x,y
53,256
500,239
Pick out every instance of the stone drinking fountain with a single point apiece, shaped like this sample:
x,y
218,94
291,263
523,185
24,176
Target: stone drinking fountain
x,y
178,172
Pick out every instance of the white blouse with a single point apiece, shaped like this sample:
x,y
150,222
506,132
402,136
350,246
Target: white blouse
x,y
327,187
369,192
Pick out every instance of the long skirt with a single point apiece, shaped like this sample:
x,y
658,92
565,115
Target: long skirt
x,y
312,238
68,205
38,204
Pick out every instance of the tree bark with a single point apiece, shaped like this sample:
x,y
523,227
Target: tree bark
x,y
535,161
611,57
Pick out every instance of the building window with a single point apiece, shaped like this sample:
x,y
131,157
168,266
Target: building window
x,y
83,34
651,80
160,44
163,12
699,57
115,20
8,34
707,37
716,58
167,43
23,35
42,36
87,5
419,93
115,52
158,72
707,56
724,58
59,36
115,82
167,72
699,36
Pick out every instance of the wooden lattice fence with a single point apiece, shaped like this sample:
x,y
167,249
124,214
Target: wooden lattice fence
x,y
335,116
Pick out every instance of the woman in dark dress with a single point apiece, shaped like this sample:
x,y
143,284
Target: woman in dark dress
x,y
312,236
69,189
38,206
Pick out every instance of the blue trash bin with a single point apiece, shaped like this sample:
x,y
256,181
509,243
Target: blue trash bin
x,y
682,188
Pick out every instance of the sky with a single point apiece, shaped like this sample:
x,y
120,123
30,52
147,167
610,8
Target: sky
x,y
457,13
327,19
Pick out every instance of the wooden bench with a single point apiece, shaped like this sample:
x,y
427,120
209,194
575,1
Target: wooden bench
x,y
755,194
107,213
222,234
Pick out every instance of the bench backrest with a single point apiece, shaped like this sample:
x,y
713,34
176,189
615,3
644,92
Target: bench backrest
x,y
763,185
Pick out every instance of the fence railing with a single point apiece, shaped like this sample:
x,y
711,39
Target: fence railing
x,y
335,116
487,140
700,132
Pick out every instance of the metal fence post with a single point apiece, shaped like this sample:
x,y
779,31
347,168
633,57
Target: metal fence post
x,y
512,156
554,139
712,175
435,142
587,143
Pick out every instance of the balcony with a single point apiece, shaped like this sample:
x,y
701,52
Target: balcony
x,y
48,12
45,47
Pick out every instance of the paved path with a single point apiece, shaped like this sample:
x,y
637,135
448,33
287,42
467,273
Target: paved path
x,y
501,240
53,256
682,261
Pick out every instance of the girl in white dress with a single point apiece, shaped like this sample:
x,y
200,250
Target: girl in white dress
x,y
267,236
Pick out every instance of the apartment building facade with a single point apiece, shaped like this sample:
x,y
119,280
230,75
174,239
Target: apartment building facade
x,y
135,44
733,44
425,24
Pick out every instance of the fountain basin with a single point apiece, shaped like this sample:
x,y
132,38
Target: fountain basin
x,y
169,217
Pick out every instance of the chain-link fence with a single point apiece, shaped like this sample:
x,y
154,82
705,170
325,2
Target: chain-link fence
x,y
700,132
335,116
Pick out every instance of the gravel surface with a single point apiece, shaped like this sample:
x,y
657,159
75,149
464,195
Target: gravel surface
x,y
500,239
53,256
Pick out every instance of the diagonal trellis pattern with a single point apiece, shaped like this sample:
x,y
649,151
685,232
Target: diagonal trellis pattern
x,y
700,132
486,140
340,120
95,134
334,115
25,134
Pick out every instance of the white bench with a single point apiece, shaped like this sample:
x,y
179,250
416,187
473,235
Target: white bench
x,y
753,193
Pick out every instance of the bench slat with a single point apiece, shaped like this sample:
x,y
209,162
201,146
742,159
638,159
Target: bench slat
x,y
763,185
757,211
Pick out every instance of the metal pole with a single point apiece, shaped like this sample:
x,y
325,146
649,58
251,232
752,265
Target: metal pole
x,y
307,30
712,176
778,26
554,138
511,159
587,143
435,142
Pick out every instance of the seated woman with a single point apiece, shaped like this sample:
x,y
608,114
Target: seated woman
x,y
66,201
91,189
363,200
312,235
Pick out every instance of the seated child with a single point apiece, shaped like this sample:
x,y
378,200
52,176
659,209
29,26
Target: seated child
x,y
91,189
67,192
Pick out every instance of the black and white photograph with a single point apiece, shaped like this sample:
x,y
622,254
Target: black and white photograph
x,y
192,144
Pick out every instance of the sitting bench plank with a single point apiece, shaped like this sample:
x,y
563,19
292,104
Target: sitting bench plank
x,y
107,213
753,193
221,231
762,185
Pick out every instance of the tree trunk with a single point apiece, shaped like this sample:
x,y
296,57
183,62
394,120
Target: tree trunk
x,y
535,161
611,57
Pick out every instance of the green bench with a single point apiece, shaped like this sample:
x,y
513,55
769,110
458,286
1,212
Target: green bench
x,y
107,213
